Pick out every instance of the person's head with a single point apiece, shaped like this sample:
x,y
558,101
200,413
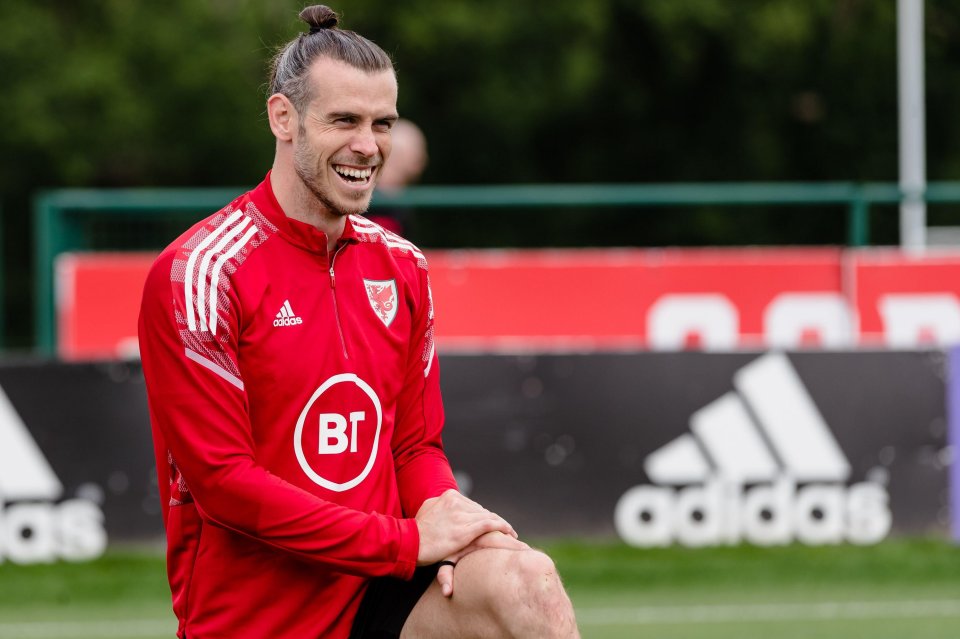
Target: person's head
x,y
408,158
332,103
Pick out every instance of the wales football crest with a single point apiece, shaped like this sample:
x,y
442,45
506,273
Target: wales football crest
x,y
383,298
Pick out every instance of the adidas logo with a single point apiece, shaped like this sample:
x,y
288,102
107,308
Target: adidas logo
x,y
286,316
34,528
761,466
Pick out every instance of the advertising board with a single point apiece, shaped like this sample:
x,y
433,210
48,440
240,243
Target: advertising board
x,y
613,299
654,448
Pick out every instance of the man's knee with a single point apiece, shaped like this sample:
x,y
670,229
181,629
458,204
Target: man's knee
x,y
533,601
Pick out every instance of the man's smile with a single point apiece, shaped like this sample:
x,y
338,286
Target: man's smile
x,y
354,176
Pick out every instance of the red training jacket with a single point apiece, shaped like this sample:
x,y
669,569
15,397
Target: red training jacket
x,y
296,413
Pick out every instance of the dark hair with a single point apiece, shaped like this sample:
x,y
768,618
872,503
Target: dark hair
x,y
288,70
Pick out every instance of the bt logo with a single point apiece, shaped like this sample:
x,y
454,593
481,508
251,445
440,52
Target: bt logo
x,y
338,433
333,432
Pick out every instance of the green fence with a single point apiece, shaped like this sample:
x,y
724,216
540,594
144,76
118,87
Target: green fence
x,y
89,219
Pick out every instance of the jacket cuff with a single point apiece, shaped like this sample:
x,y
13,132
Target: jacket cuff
x,y
409,549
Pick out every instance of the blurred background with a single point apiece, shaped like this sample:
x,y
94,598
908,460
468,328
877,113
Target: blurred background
x,y
664,239
113,93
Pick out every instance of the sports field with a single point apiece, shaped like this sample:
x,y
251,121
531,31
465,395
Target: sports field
x,y
898,590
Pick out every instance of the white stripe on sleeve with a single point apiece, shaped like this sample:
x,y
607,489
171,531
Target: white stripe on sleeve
x,y
214,367
218,267
188,280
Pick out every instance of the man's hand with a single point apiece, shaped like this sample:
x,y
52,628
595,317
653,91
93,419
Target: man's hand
x,y
489,540
450,523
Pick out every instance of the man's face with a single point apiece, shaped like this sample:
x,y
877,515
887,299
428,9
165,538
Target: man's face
x,y
344,134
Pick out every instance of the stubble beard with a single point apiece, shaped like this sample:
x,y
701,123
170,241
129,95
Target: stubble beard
x,y
308,167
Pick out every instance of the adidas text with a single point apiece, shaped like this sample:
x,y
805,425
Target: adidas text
x,y
43,532
287,321
760,464
35,525
286,316
719,513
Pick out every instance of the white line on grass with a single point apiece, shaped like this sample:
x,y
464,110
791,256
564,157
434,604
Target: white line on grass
x,y
618,616
747,613
101,628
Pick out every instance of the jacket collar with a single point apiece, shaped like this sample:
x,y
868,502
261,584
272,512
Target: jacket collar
x,y
296,232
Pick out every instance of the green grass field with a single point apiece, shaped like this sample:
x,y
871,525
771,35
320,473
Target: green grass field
x,y
906,589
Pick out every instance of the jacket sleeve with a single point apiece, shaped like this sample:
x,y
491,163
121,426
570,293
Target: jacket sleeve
x,y
199,410
422,467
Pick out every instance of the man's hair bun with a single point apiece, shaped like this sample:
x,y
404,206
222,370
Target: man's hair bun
x,y
319,17
289,67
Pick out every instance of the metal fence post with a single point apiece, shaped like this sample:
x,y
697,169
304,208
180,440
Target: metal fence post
x,y
858,219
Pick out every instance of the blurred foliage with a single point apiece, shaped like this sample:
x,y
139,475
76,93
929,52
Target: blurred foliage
x,y
136,93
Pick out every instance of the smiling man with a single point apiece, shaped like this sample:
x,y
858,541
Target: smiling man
x,y
338,138
288,352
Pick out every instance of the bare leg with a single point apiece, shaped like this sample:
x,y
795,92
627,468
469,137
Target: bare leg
x,y
498,594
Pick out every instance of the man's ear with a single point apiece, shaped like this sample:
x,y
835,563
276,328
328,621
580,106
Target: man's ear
x,y
283,117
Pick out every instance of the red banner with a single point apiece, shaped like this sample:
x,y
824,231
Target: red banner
x,y
703,299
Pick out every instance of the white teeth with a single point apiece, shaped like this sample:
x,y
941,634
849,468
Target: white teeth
x,y
362,174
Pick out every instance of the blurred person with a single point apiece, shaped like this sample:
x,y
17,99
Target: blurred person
x,y
288,352
408,159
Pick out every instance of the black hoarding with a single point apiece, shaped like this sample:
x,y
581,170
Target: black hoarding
x,y
79,466
716,448
553,442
